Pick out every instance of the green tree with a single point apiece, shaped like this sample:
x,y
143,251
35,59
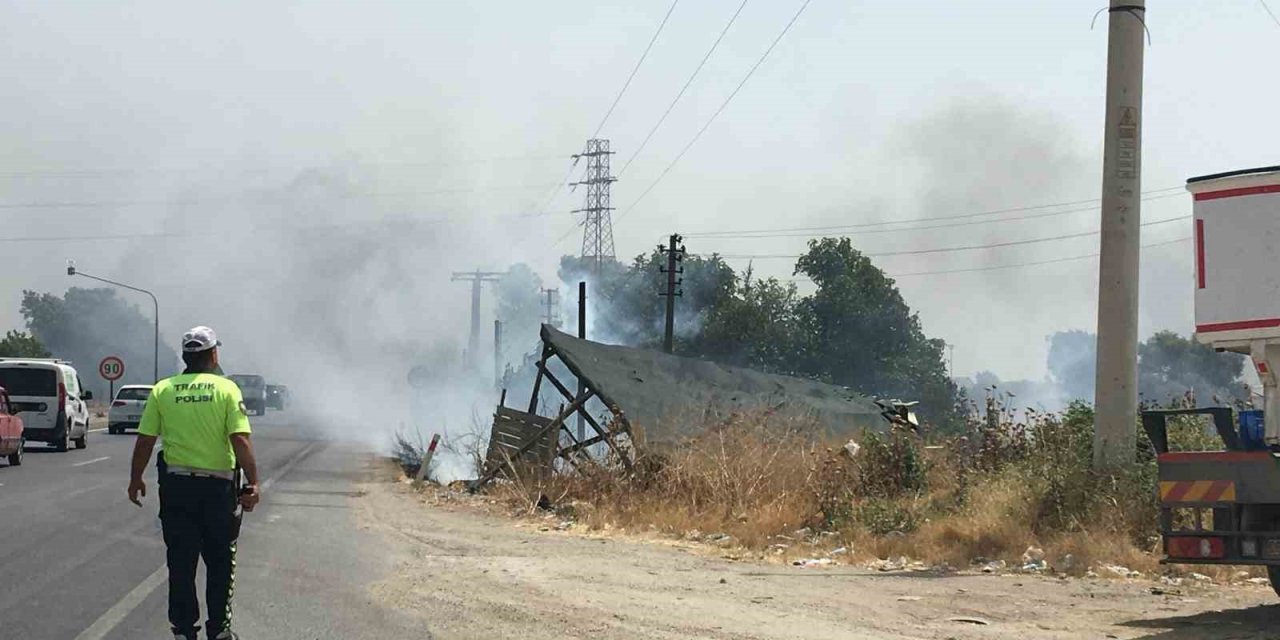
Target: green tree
x,y
17,344
856,330
87,325
628,308
1170,365
754,327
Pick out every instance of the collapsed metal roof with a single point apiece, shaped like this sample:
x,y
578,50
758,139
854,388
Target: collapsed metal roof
x,y
650,395
667,396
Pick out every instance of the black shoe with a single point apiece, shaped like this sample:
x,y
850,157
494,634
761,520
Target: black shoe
x,y
226,634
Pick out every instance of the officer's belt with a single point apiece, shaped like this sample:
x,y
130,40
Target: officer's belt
x,y
200,473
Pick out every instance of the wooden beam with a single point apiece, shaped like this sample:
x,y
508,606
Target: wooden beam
x,y
567,451
537,381
604,435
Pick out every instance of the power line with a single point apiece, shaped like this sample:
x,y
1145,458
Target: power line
x,y
124,171
1270,12
635,69
955,249
718,111
686,86
545,208
99,237
309,228
746,235
97,204
761,233
1027,264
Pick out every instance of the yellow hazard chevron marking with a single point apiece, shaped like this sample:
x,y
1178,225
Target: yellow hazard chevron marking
x,y
1197,491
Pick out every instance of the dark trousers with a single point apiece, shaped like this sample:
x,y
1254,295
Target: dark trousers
x,y
199,519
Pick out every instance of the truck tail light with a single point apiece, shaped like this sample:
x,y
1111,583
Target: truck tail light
x,y
62,397
1195,547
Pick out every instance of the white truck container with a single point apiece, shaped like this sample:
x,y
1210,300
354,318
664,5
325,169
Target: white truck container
x,y
1237,272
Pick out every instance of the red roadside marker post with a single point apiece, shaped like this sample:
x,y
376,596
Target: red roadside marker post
x,y
426,458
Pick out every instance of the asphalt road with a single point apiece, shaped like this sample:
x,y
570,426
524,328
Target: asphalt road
x,y
79,562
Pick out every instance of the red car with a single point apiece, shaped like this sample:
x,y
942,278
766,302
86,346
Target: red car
x,y
12,443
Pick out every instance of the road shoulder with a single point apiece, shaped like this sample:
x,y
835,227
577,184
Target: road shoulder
x,y
471,574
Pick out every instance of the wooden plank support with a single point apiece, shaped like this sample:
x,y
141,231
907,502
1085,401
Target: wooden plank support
x,y
532,442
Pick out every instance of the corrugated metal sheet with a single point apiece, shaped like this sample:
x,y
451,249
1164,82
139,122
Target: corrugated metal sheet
x,y
667,396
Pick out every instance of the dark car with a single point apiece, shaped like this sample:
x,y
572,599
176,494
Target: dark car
x,y
277,396
254,389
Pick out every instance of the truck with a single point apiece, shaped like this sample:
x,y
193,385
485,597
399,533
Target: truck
x,y
1223,507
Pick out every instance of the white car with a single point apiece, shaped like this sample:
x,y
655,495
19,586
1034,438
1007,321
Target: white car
x,y
126,408
53,404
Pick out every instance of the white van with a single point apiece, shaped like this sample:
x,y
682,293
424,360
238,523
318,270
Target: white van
x,y
54,407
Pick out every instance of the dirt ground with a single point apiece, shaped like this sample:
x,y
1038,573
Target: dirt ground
x,y
473,574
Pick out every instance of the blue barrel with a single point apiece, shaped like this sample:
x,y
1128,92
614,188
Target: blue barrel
x,y
1252,430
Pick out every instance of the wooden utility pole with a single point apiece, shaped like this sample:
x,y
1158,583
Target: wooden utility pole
x,y
1116,386
476,278
582,333
675,255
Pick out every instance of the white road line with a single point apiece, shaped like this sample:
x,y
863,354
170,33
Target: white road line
x,y
288,466
81,464
107,622
97,430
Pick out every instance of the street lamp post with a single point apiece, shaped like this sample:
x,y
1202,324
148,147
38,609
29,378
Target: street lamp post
x,y
155,364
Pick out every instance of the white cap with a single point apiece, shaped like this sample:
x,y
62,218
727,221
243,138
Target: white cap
x,y
199,339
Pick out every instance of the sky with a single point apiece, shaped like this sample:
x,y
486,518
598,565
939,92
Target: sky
x,y
308,172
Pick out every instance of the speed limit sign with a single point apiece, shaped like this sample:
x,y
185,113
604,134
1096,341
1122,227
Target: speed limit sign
x,y
111,368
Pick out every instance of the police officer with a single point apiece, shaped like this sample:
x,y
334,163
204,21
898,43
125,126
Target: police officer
x,y
199,416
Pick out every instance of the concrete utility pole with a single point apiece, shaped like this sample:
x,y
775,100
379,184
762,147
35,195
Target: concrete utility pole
x,y
582,333
552,301
476,278
675,254
597,227
1116,385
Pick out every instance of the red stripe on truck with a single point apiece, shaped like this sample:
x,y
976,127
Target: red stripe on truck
x,y
1242,191
1200,254
1238,324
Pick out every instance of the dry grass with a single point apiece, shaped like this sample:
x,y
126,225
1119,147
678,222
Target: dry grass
x,y
757,483
747,479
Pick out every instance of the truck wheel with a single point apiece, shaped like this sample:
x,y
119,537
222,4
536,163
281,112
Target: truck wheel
x,y
83,441
15,458
1273,574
